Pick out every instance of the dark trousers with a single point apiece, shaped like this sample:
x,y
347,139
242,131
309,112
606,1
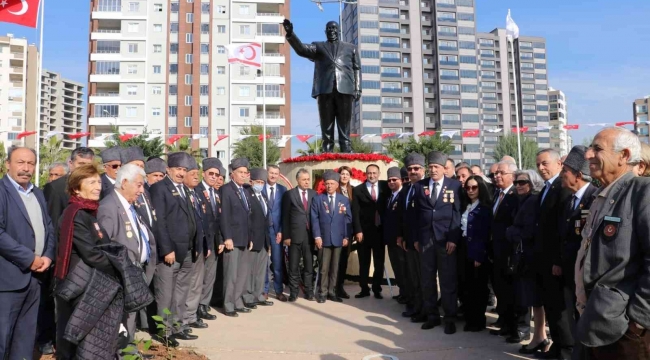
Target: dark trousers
x,y
46,328
477,292
297,252
64,349
259,265
514,317
397,257
211,264
635,344
236,269
371,248
557,314
434,260
343,267
331,107
172,285
18,318
328,258
414,272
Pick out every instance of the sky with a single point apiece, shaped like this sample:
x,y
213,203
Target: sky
x,y
597,52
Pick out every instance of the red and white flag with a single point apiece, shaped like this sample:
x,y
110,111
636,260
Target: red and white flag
x,y
21,12
248,54
571,127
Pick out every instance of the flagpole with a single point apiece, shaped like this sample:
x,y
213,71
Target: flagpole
x,y
37,121
514,77
263,108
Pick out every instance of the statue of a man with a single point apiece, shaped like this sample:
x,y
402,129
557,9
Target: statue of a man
x,y
337,81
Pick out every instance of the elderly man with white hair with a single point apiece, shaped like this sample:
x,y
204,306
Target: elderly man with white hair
x,y
118,216
613,264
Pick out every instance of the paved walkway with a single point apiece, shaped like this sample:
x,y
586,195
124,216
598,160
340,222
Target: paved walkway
x,y
357,329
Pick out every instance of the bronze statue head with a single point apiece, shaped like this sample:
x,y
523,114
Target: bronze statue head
x,y
332,31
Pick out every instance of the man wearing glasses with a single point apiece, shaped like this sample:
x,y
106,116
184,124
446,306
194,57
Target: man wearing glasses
x,y
112,160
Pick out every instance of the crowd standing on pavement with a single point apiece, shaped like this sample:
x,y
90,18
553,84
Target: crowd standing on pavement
x,y
92,257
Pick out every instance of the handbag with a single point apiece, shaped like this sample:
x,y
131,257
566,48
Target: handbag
x,y
516,265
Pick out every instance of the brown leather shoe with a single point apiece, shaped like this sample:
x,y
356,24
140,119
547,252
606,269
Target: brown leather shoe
x,y
281,297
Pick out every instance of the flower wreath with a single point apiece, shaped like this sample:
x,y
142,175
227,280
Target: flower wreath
x,y
340,156
357,177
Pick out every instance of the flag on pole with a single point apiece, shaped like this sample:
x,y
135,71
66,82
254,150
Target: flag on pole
x,y
21,12
25,134
174,138
219,138
126,137
387,135
512,30
623,123
248,54
571,127
470,133
304,138
78,135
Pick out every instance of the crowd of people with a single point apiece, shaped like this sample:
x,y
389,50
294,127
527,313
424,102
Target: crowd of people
x,y
93,256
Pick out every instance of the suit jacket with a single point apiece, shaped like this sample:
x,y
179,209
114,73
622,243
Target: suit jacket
x,y
409,223
295,219
113,218
141,208
617,263
57,199
547,234
213,215
501,247
439,220
334,63
365,209
177,231
107,186
479,223
391,218
276,212
204,217
235,217
570,226
260,223
332,225
523,228
17,241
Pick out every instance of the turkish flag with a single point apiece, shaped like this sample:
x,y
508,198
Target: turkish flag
x,y
354,135
126,137
427,133
470,133
261,137
219,138
521,129
174,138
304,138
21,12
78,135
571,127
25,134
383,136
622,123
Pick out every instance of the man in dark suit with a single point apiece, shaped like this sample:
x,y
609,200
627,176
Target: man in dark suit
x,y
112,160
156,168
297,235
235,229
437,203
370,200
211,172
117,215
548,253
331,223
337,81
177,240
57,200
392,221
274,192
27,245
259,253
574,175
414,164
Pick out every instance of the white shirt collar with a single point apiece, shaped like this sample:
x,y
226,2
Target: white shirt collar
x,y
580,193
206,186
397,192
552,180
507,190
111,180
125,203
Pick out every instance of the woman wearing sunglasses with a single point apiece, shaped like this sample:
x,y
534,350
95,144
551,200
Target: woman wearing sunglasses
x,y
476,223
521,234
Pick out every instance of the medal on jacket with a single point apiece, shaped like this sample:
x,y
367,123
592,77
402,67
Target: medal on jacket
x,y
99,231
426,191
342,208
203,207
129,233
153,213
327,208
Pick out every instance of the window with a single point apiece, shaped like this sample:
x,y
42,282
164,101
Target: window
x,y
468,74
188,121
541,87
528,97
205,48
447,30
450,104
220,112
539,45
133,48
189,38
467,45
488,63
464,2
189,58
488,84
469,103
446,74
487,52
189,18
132,69
368,9
203,89
542,107
244,91
134,7
528,108
370,69
449,89
220,90
391,118
157,48
375,24
448,59
203,130
391,102
466,59
107,67
390,71
221,29
542,97
369,54
486,42
172,110
374,100
174,7
173,89
244,29
371,115
221,70
157,7
204,69
173,27
540,56
244,9
488,75
188,100
221,9
205,8
540,76
489,96
446,16
464,30
157,27
447,45
527,76
540,66
465,16
244,71
172,130
527,66
156,90
132,90
205,28
131,111
157,69
528,86
155,111
488,106
173,68
370,84
368,39
221,49
188,79
173,48
244,112
133,27
526,55
390,56
469,88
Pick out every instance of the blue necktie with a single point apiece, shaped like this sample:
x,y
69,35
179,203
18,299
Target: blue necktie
x,y
143,236
243,196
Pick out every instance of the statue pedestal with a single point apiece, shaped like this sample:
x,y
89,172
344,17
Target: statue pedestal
x,y
318,164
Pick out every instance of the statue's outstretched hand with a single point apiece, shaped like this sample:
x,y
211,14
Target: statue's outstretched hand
x,y
357,95
288,26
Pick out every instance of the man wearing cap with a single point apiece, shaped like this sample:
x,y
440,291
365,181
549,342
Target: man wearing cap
x,y
414,164
156,168
392,220
176,237
204,247
331,224
258,256
575,177
235,222
133,155
112,160
405,175
274,192
437,203
211,171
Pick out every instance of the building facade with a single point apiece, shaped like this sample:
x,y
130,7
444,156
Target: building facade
x,y
163,66
426,68
560,138
640,113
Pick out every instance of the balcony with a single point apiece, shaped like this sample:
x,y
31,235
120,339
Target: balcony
x,y
390,45
449,77
394,75
450,107
17,55
450,92
389,16
452,63
269,17
106,34
445,33
16,69
391,106
391,90
449,20
393,60
447,48
389,30
487,55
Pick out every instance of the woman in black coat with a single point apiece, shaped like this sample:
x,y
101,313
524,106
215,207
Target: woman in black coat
x,y
522,236
476,224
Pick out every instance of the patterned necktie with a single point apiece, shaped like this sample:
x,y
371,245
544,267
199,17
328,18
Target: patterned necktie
x,y
332,203
501,195
373,194
212,202
143,236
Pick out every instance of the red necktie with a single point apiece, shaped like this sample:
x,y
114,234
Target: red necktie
x,y
373,194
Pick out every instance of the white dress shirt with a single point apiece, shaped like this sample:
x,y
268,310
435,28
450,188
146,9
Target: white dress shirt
x,y
134,227
579,194
438,188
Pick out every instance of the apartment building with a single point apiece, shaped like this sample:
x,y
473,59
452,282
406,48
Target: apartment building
x,y
18,84
162,65
640,113
426,68
560,139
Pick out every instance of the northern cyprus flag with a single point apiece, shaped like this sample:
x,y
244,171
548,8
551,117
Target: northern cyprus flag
x,y
248,54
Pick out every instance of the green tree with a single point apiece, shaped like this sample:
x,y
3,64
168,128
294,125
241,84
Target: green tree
x,y
358,146
251,147
3,158
184,144
507,145
398,149
313,147
50,153
150,146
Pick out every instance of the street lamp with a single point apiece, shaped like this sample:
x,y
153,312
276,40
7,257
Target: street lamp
x,y
320,3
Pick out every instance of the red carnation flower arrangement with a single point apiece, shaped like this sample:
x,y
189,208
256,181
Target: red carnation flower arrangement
x,y
357,175
340,156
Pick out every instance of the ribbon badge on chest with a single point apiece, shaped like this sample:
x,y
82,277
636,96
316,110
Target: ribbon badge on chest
x,y
99,231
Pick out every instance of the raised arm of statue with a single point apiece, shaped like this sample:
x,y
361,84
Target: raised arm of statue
x,y
304,50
